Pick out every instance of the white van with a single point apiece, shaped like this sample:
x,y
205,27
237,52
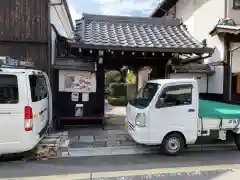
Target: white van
x,y
25,108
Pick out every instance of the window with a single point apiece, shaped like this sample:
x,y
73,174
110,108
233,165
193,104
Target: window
x,y
145,95
8,89
38,87
175,96
236,4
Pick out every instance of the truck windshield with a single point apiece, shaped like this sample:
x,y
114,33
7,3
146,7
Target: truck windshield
x,y
145,95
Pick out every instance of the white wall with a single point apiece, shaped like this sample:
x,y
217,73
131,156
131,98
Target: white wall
x,y
233,13
235,61
201,78
143,76
59,18
215,82
200,17
62,23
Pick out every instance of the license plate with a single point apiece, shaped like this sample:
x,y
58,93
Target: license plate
x,y
126,126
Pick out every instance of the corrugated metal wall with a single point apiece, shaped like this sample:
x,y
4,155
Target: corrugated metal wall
x,y
24,30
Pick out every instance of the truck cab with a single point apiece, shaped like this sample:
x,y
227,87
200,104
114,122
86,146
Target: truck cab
x,y
166,112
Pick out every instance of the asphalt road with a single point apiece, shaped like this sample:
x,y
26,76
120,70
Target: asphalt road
x,y
191,165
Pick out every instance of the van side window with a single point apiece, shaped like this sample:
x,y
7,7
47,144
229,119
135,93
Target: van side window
x,y
8,89
38,87
175,96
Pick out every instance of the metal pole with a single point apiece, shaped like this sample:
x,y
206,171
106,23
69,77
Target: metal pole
x,y
230,77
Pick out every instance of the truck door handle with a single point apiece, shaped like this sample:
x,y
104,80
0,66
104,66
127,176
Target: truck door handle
x,y
191,110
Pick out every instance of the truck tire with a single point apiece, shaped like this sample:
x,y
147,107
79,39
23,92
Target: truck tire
x,y
173,144
237,140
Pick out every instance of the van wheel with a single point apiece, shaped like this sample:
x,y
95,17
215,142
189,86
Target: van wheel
x,y
237,140
173,144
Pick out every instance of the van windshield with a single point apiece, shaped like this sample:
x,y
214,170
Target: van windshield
x,y
145,95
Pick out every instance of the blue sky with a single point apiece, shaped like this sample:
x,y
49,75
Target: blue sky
x,y
112,7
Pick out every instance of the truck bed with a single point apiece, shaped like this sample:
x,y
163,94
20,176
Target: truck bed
x,y
216,116
217,110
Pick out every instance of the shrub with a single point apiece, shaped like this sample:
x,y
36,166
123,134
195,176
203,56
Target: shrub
x,y
107,92
112,76
117,101
118,89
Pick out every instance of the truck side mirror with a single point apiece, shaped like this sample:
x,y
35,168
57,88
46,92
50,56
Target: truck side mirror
x,y
160,102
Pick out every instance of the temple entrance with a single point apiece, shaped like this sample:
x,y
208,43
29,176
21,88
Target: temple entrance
x,y
143,46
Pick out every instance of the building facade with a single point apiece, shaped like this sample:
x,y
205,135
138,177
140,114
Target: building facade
x,y
61,23
33,37
201,17
30,29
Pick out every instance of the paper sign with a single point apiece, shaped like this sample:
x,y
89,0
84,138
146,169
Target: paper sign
x,y
85,97
75,96
79,110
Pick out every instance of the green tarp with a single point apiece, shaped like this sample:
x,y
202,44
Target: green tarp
x,y
211,109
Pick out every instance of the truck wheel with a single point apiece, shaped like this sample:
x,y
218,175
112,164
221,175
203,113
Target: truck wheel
x,y
237,140
173,144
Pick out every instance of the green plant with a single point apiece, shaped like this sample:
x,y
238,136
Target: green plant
x,y
112,76
118,89
107,91
117,101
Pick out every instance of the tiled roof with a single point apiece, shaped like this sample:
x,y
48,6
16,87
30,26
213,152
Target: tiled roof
x,y
161,34
226,26
69,63
193,68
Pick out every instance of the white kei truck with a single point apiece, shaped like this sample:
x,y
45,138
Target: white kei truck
x,y
168,112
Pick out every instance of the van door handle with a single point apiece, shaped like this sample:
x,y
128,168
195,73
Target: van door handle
x,y
41,112
191,110
5,113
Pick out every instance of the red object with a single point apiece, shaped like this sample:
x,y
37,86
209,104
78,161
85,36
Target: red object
x,y
28,115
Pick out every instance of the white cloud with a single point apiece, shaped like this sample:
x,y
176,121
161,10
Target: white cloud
x,y
127,7
113,7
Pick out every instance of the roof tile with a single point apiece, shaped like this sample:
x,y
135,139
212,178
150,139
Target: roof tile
x,y
139,32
